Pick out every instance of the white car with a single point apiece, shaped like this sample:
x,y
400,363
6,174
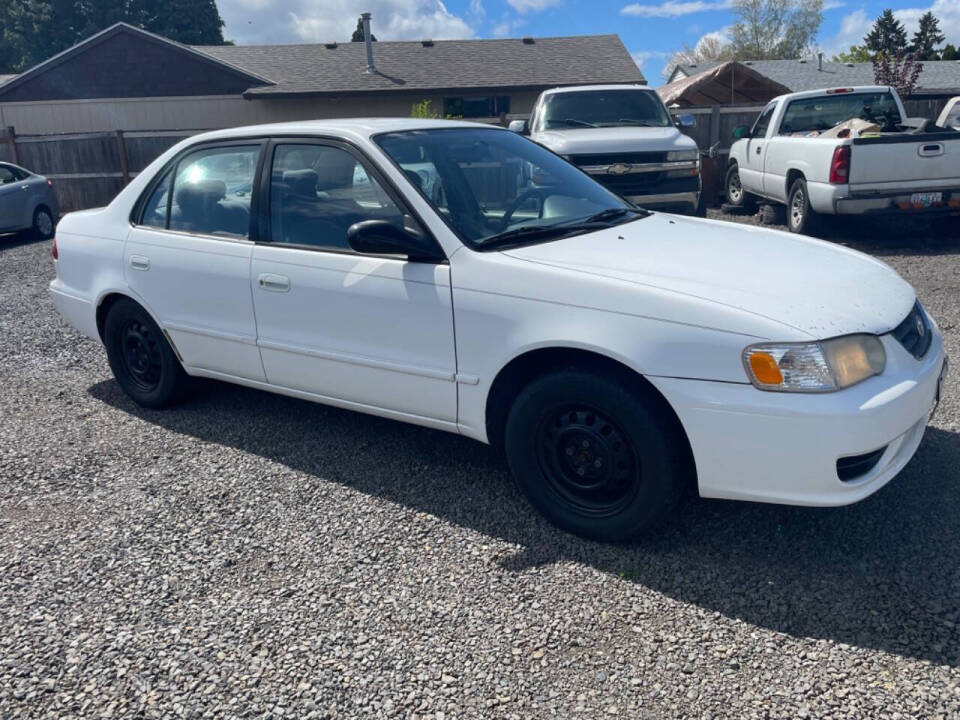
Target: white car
x,y
801,153
623,136
618,355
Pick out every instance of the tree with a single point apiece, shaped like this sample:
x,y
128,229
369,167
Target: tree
x,y
927,37
33,30
774,29
709,48
887,35
901,71
949,52
358,33
856,54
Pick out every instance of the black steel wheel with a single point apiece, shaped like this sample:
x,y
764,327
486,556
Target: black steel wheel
x,y
600,455
142,360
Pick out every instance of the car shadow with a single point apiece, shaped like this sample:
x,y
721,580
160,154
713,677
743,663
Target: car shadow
x,y
8,241
882,574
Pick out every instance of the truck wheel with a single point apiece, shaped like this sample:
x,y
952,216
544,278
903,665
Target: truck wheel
x,y
736,196
596,457
141,358
801,218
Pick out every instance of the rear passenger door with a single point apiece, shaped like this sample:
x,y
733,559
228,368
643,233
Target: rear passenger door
x,y
188,257
373,331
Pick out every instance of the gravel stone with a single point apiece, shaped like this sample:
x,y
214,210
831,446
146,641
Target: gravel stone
x,y
246,555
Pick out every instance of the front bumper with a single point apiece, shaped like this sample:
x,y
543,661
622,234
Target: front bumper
x,y
688,200
783,447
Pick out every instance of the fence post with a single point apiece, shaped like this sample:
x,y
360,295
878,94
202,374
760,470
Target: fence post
x,y
122,149
12,137
714,124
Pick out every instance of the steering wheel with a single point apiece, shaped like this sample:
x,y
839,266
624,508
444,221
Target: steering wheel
x,y
541,193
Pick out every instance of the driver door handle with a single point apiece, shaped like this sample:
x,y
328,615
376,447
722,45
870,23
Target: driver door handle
x,y
759,148
274,283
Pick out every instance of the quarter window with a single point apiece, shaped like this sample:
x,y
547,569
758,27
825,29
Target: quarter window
x,y
318,191
211,193
6,175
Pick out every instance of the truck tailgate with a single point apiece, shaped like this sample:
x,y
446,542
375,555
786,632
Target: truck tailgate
x,y
905,161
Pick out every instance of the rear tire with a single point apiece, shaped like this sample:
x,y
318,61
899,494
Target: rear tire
x,y
598,457
737,197
43,224
801,218
141,358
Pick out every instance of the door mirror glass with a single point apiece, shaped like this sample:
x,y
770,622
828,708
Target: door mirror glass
x,y
380,237
740,132
686,121
519,126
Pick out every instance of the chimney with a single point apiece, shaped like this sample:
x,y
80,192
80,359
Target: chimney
x,y
366,39
820,61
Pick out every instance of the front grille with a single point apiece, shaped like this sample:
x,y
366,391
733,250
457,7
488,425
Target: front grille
x,y
633,184
914,332
637,158
855,466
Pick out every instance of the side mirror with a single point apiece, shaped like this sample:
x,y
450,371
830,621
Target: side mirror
x,y
740,132
686,121
519,126
379,237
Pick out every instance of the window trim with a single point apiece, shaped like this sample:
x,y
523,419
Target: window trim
x,y
264,217
139,207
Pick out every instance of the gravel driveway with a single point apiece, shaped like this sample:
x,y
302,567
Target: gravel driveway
x,y
248,555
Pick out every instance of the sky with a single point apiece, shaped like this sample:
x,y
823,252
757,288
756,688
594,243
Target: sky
x,y
650,29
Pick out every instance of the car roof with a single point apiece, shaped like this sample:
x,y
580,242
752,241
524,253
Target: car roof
x,y
588,88
854,89
341,127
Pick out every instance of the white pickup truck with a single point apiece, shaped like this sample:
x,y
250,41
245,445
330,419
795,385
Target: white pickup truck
x,y
793,156
624,137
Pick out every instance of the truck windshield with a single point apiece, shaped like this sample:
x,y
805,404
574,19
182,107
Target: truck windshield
x,y
495,188
817,114
602,108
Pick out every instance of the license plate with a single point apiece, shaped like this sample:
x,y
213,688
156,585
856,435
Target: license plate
x,y
927,199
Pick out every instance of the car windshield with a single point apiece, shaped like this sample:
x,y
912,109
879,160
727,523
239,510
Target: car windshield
x,y
822,113
495,188
602,108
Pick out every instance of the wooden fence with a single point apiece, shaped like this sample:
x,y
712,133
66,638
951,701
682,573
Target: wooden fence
x,y
89,169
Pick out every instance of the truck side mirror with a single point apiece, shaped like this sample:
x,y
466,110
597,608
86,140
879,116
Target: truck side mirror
x,y
740,132
519,126
686,121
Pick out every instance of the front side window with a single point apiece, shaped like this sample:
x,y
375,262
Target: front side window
x,y
318,191
763,122
490,185
211,193
602,108
817,114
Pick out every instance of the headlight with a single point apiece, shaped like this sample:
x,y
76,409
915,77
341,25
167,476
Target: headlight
x,y
677,155
822,366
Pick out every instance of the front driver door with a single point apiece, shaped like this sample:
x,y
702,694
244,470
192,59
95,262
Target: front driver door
x,y
373,331
751,174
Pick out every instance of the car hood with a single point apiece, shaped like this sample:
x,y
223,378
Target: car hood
x,y
817,288
614,140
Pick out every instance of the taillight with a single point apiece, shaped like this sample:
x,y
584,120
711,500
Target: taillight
x,y
53,250
840,166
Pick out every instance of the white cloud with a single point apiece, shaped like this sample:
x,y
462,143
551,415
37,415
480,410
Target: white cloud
x,y
852,29
261,22
672,8
532,5
833,5
507,26
643,57
476,9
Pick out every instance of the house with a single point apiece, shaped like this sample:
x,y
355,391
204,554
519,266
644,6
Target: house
x,y
125,78
939,78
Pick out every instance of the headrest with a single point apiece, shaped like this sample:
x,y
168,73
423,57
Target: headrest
x,y
415,178
201,191
302,182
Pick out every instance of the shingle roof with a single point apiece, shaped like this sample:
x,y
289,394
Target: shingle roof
x,y
938,76
444,64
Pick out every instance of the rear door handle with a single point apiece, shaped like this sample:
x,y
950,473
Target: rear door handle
x,y
139,262
759,148
274,283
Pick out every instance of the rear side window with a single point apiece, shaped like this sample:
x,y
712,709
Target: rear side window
x,y
318,191
6,175
155,211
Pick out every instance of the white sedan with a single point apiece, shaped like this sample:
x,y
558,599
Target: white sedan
x,y
461,277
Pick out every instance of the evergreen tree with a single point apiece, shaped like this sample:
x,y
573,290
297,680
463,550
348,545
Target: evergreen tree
x,y
949,52
927,37
887,35
358,33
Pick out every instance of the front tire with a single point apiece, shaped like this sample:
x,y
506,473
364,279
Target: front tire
x,y
801,218
600,458
737,197
43,224
141,358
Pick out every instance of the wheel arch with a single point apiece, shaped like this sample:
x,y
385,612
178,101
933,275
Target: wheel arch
x,y
534,363
108,298
793,174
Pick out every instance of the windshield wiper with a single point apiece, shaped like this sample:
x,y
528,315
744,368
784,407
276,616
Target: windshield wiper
x,y
643,123
580,123
527,232
605,216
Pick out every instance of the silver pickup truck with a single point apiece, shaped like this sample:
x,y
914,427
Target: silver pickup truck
x,y
805,151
